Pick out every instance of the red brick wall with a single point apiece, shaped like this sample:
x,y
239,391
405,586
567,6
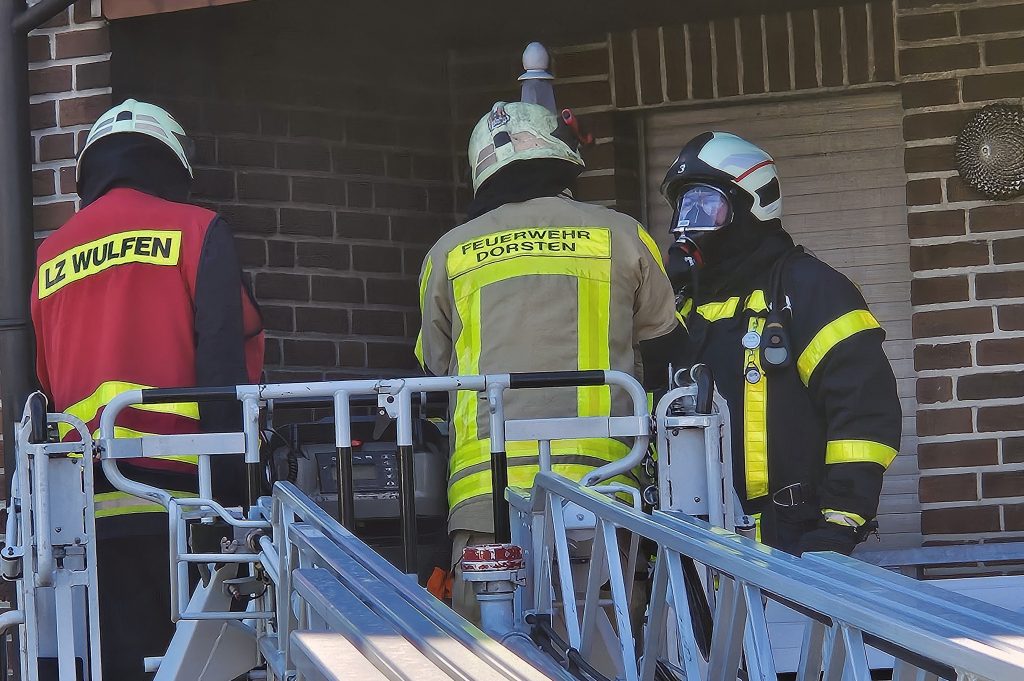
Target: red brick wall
x,y
69,85
967,254
746,58
331,159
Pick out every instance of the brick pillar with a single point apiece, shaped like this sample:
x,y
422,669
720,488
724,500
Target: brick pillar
x,y
69,84
967,254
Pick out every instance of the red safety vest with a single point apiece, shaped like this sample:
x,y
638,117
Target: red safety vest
x,y
113,310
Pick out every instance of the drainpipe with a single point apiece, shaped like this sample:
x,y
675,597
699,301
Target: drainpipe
x,y
17,259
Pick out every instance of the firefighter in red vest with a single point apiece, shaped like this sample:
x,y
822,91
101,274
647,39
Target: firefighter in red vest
x,y
141,289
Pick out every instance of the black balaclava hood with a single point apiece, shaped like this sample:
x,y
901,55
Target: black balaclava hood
x,y
134,161
522,181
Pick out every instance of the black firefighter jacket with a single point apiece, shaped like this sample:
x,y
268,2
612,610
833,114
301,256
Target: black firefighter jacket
x,y
816,436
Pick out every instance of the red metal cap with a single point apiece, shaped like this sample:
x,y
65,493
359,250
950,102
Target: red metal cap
x,y
492,557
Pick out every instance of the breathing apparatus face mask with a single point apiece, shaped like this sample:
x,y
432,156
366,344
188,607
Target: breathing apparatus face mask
x,y
700,212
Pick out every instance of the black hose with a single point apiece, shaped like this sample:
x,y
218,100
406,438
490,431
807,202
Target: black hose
x,y
545,635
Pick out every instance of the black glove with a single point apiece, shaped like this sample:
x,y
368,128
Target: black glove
x,y
830,537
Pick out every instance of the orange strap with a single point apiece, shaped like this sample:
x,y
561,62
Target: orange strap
x,y
440,584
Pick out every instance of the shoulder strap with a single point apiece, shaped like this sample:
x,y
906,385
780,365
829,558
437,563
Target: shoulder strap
x,y
777,299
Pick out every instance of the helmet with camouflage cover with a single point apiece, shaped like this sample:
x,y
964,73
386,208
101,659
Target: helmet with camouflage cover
x,y
519,131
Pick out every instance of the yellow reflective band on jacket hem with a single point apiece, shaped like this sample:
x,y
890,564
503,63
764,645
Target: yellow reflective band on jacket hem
x,y
757,527
846,514
88,408
645,237
479,484
428,269
859,451
831,335
109,504
755,422
479,451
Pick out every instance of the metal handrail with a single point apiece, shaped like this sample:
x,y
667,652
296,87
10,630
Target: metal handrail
x,y
928,628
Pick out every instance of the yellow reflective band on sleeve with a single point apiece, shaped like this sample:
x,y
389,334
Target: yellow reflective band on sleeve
x,y
859,451
549,242
757,527
152,247
846,514
109,504
831,335
428,269
755,421
651,246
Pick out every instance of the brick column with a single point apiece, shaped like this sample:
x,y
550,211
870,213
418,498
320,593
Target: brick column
x,y
69,84
967,253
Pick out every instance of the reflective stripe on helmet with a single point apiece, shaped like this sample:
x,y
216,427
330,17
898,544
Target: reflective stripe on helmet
x,y
132,116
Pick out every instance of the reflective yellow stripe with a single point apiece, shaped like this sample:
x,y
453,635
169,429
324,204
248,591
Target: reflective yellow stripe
x,y
594,296
727,308
651,246
757,527
831,335
755,422
121,503
858,451
593,276
428,268
719,310
88,408
479,483
479,451
852,516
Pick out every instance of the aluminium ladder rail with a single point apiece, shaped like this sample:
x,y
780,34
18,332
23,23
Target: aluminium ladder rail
x,y
932,633
302,558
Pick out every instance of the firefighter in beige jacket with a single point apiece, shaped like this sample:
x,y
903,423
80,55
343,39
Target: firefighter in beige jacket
x,y
537,281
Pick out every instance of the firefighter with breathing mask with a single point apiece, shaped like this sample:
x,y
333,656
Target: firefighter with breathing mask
x,y
793,347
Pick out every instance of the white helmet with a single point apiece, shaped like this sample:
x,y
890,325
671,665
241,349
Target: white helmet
x,y
519,131
722,160
144,119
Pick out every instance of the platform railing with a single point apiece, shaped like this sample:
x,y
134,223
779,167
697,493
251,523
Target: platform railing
x,y
932,633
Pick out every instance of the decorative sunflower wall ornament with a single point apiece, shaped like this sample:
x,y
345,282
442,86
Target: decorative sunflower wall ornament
x,y
990,151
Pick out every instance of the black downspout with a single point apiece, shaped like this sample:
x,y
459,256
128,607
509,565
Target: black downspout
x,y
17,373
17,251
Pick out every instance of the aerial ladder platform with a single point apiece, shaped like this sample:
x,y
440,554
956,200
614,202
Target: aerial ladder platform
x,y
559,591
